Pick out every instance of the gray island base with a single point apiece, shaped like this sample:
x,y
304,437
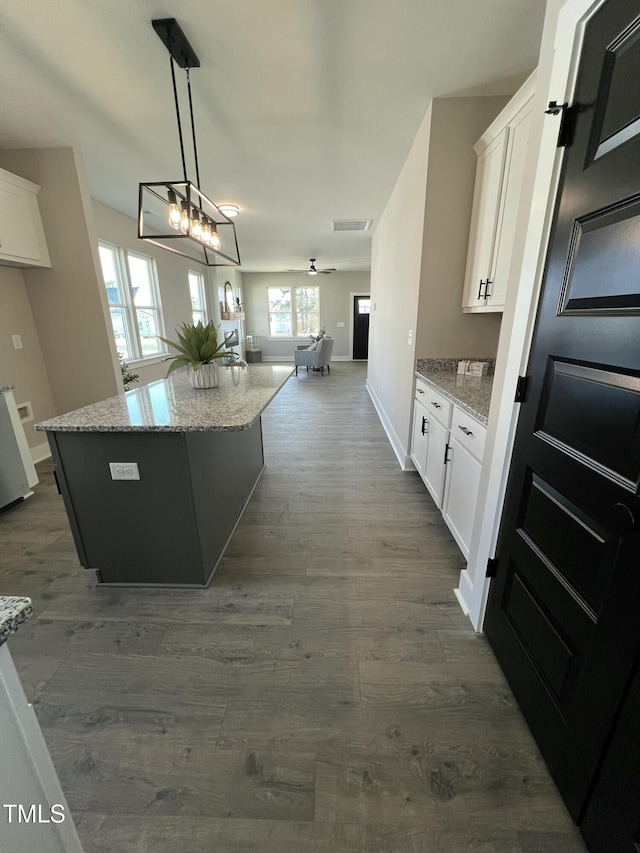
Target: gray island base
x,y
199,457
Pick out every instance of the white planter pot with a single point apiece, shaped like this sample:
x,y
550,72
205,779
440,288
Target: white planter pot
x,y
207,376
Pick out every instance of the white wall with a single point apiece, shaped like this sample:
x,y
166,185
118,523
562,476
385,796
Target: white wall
x,y
335,290
396,261
68,301
24,368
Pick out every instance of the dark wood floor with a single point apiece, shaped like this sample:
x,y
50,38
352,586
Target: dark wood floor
x,y
324,694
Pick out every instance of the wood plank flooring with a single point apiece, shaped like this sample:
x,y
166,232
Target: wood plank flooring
x,y
324,694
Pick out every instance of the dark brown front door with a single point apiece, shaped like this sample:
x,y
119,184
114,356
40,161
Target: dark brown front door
x,y
564,610
361,311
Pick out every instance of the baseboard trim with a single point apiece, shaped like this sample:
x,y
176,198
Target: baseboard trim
x,y
289,358
405,461
39,452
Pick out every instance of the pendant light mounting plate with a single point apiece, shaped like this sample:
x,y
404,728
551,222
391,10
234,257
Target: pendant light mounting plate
x,y
176,42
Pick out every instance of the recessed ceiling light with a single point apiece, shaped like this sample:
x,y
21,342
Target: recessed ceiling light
x,y
229,209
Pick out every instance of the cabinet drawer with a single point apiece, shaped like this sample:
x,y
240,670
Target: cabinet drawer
x,y
435,403
469,432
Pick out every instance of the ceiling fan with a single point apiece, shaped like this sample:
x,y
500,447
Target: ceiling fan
x,y
313,271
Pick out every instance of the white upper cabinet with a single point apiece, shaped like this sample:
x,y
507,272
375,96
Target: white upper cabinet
x,y
497,195
22,240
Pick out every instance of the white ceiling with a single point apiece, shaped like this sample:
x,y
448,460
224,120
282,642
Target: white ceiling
x,y
305,110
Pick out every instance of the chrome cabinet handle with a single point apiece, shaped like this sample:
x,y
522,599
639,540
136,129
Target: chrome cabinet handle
x,y
424,424
465,430
436,405
487,292
483,283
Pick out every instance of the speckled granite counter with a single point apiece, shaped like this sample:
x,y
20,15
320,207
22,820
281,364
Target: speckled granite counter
x,y
471,393
13,612
172,405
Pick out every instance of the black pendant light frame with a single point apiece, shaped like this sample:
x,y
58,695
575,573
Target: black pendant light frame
x,y
157,200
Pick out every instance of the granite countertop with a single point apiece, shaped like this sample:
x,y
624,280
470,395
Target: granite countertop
x,y
6,388
13,612
471,393
172,405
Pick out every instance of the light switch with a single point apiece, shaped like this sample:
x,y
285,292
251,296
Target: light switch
x,y
410,337
341,325
17,341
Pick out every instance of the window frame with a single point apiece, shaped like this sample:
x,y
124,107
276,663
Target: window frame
x,y
129,307
294,334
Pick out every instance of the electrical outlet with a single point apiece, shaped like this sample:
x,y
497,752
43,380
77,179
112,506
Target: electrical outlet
x,y
17,341
124,470
341,325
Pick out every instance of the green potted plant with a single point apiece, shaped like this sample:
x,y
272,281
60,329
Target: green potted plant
x,y
198,348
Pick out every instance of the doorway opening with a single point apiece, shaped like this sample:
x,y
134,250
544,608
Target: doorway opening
x,y
360,311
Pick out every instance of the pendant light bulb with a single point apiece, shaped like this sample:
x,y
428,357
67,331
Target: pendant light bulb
x,y
215,239
196,226
184,218
174,211
206,230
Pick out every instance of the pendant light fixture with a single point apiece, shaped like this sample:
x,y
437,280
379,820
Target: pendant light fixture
x,y
177,215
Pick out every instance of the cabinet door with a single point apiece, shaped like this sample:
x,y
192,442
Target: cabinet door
x,y
18,236
419,438
484,220
461,494
511,195
435,467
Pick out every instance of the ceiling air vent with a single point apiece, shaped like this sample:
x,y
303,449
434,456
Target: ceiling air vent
x,y
350,224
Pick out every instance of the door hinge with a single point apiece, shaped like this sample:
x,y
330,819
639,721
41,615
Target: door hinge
x,y
567,122
521,389
492,567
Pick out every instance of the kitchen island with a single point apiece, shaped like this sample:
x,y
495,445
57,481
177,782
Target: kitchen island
x,y
155,480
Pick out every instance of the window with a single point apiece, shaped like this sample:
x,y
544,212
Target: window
x,y
198,301
293,312
134,305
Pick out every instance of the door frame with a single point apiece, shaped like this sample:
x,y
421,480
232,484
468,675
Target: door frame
x,y
560,51
351,298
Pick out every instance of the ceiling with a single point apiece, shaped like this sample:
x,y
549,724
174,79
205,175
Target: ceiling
x,y
305,110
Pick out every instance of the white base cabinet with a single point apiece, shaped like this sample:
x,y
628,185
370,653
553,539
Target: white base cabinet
x,y
461,494
447,448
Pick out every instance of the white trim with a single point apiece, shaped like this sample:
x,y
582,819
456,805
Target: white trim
x,y
39,452
290,358
351,318
405,461
149,360
520,308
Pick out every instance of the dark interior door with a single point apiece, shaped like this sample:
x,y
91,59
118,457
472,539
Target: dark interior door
x,y
564,610
361,311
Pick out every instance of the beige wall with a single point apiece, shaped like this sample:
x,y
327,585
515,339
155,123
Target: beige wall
x,y
418,261
24,368
443,331
335,306
68,301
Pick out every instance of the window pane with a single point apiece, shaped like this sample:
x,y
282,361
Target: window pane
x,y
198,303
280,325
364,306
111,275
307,311
120,332
148,330
279,299
141,280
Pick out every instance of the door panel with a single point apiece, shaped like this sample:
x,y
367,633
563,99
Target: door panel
x,y
562,612
361,313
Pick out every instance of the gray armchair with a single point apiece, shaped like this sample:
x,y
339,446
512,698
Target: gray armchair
x,y
318,359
